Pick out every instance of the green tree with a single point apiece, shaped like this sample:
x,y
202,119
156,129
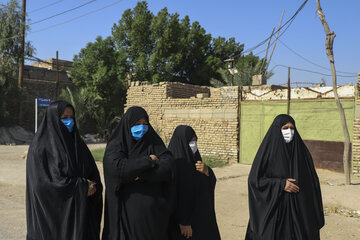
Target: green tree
x,y
99,72
164,47
10,55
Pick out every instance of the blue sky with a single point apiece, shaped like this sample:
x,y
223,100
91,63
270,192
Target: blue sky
x,y
249,21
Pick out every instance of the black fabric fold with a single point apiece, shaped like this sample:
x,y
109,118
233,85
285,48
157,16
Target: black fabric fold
x,y
274,213
194,190
137,209
57,168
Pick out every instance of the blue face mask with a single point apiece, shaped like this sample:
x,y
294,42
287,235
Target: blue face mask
x,y
138,131
69,123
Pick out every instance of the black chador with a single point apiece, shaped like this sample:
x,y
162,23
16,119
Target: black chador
x,y
58,168
194,190
138,189
276,214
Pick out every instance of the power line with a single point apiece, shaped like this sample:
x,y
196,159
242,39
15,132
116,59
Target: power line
x,y
310,71
70,20
58,14
46,6
287,22
75,18
307,60
278,38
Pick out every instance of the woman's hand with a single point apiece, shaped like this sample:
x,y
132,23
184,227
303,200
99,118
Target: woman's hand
x,y
201,167
291,187
92,188
186,230
154,158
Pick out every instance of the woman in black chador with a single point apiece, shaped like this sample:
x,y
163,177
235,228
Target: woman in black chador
x,y
284,191
138,171
63,188
195,184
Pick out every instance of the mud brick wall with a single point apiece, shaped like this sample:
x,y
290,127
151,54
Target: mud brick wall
x,y
212,112
356,140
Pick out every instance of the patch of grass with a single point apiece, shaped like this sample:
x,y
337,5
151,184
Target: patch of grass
x,y
98,154
213,161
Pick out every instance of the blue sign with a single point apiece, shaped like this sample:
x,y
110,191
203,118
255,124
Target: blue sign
x,y
43,102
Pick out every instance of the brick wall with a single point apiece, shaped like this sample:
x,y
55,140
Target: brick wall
x,y
356,140
212,112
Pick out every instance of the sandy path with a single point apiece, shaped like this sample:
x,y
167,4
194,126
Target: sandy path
x,y
231,199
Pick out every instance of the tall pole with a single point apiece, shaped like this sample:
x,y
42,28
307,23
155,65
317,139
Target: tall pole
x,y
266,53
276,38
329,42
232,73
22,44
57,76
289,92
22,50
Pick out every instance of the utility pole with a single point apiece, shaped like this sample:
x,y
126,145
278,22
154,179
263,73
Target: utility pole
x,y
276,38
289,92
22,49
329,42
267,49
57,76
232,73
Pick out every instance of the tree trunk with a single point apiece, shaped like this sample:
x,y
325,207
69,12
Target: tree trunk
x,y
329,52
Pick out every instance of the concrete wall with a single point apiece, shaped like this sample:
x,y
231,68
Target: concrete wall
x,y
314,110
316,120
212,112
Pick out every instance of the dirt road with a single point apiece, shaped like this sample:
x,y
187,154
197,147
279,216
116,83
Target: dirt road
x,y
231,199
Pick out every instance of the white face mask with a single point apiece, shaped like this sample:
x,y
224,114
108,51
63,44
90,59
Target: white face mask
x,y
288,134
193,146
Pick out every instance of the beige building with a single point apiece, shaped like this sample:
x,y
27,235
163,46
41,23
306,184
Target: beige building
x,y
50,64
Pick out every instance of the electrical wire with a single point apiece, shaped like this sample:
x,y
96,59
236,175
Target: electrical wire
x,y
61,13
67,21
256,54
310,71
46,6
78,17
309,61
288,22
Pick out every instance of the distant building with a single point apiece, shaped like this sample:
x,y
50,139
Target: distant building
x,y
50,64
38,82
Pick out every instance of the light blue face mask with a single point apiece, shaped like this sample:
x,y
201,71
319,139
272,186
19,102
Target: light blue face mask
x,y
193,146
69,123
138,131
